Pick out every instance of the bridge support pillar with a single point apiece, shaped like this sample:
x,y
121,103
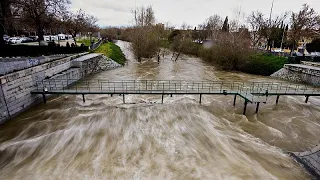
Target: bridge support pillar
x,y
234,100
83,99
277,101
200,98
257,108
307,99
124,101
245,107
44,98
111,95
171,95
162,98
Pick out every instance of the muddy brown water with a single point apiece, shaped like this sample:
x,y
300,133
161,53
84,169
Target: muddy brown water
x,y
180,139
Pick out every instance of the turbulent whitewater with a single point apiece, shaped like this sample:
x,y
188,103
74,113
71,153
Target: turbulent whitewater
x,y
144,139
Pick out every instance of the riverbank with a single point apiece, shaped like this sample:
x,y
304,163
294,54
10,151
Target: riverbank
x,y
112,51
67,133
233,58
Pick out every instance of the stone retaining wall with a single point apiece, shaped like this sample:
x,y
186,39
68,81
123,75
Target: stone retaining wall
x,y
310,160
16,88
9,65
299,73
308,63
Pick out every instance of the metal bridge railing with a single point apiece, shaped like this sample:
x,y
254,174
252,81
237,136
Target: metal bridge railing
x,y
255,91
95,45
141,85
282,88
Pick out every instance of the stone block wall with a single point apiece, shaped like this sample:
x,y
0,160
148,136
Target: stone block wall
x,y
3,109
299,74
310,160
9,65
17,86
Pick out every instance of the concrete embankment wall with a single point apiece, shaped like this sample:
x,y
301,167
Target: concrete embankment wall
x,y
304,73
16,87
310,160
9,65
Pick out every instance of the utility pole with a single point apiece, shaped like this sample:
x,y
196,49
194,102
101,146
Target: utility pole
x,y
284,29
270,22
271,12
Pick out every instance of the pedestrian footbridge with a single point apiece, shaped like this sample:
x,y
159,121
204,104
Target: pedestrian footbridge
x,y
254,92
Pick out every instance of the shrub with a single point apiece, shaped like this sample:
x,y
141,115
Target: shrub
x,y
263,64
227,53
232,52
145,42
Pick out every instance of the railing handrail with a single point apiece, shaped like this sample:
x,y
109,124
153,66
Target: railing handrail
x,y
174,86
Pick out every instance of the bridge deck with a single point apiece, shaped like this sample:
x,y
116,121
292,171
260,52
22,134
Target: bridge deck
x,y
251,92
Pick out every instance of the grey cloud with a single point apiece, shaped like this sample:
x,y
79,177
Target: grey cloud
x,y
193,12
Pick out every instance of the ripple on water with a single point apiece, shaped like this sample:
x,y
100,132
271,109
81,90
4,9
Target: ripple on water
x,y
144,139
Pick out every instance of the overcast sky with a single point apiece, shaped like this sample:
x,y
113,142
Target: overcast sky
x,y
177,12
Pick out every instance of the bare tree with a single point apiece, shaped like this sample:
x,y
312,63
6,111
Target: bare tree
x,y
144,16
268,30
256,22
213,26
185,26
111,33
303,24
41,12
145,36
80,22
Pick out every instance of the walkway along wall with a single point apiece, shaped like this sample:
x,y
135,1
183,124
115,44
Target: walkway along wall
x,y
307,72
16,87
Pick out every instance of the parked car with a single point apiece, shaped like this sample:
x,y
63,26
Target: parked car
x,y
34,38
315,54
15,40
26,40
69,37
50,38
54,38
6,38
62,36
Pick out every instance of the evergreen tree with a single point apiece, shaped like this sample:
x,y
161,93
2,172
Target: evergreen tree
x,y
225,27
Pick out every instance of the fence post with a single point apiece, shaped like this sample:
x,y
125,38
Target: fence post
x,y
44,98
277,101
245,107
162,99
257,108
234,100
307,99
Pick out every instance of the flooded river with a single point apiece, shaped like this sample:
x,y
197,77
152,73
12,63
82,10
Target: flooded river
x,y
180,139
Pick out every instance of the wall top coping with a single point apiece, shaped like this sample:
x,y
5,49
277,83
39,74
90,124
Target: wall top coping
x,y
302,66
88,56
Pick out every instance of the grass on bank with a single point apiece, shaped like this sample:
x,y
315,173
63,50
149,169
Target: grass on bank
x,y
112,51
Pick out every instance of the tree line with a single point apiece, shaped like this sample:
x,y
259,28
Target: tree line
x,y
42,16
281,31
